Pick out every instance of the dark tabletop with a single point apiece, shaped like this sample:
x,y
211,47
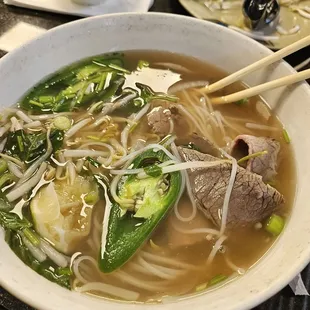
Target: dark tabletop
x,y
9,16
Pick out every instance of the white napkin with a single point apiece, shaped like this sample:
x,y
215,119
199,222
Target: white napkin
x,y
68,7
298,287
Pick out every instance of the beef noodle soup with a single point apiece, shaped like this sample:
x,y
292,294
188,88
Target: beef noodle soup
x,y
120,178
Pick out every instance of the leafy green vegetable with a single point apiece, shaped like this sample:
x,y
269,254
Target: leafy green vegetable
x,y
77,85
33,145
13,222
3,166
153,171
47,269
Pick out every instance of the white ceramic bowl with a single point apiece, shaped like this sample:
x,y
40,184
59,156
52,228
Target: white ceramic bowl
x,y
23,68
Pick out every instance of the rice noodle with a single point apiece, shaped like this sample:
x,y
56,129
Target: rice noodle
x,y
215,249
16,125
206,231
109,289
83,153
142,284
166,261
22,189
156,271
261,127
14,169
58,258
75,128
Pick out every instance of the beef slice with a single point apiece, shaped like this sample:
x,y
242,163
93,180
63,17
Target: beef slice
x,y
264,165
251,200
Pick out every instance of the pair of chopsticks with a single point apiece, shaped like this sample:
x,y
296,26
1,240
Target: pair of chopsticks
x,y
256,90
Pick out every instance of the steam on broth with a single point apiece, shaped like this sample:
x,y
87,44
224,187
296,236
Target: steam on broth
x,y
120,179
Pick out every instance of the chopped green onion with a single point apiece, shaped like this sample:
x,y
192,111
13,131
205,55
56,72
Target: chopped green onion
x,y
36,103
20,143
286,136
91,198
245,158
217,279
31,236
153,171
99,64
62,123
93,162
66,271
143,64
275,225
118,68
154,245
7,177
46,99
101,83
201,287
242,101
3,166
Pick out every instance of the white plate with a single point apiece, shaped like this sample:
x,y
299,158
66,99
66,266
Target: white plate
x,y
68,7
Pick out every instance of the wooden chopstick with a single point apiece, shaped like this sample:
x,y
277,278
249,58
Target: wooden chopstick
x,y
257,65
256,90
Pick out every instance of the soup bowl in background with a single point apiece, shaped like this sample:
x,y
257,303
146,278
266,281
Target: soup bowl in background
x,y
228,50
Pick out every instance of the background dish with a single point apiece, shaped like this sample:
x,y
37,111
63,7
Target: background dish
x,y
234,17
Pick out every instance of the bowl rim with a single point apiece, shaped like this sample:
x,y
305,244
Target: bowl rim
x,y
248,302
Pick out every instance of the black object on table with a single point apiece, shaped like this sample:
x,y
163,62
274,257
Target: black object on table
x,y
9,16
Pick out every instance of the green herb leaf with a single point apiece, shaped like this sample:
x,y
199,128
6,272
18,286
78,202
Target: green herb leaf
x,y
28,147
93,162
